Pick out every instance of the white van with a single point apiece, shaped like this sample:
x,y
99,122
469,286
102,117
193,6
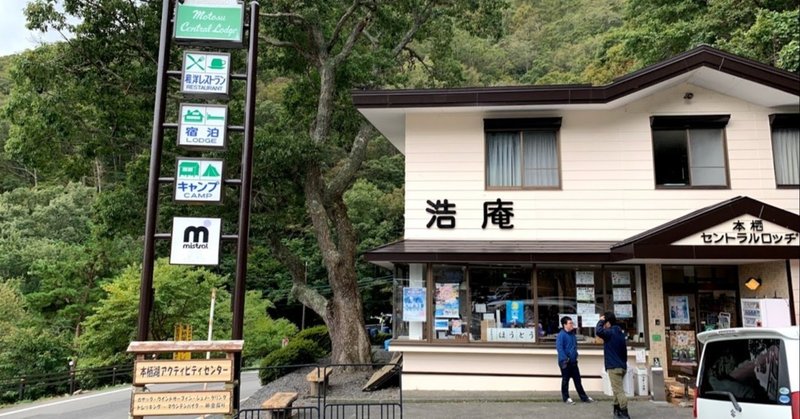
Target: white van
x,y
749,373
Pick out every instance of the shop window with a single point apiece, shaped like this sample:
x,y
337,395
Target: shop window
x,y
786,149
410,295
501,299
690,151
450,306
584,294
522,153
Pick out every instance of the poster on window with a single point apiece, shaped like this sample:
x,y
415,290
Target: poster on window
x,y
515,314
455,327
622,294
584,278
683,348
620,278
414,304
447,301
585,294
678,309
586,308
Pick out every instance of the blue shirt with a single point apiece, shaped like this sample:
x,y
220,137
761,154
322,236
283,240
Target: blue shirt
x,y
567,346
615,348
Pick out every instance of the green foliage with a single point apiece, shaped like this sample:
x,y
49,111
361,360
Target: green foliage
x,y
318,334
262,334
281,361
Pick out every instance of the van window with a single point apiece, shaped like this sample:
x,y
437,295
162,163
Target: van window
x,y
750,369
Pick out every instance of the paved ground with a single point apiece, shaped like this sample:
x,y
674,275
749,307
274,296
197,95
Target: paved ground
x,y
528,410
519,405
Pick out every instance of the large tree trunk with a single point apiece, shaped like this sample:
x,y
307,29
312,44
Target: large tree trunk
x,y
345,320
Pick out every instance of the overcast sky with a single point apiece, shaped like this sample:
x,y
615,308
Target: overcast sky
x,y
16,38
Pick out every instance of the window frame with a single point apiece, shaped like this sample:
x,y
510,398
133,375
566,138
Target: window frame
x,y
686,124
520,126
780,121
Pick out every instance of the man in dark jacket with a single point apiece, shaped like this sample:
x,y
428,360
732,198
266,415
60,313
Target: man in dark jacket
x,y
615,352
567,348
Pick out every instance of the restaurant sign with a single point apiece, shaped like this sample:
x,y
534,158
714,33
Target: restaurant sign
x,y
743,231
217,24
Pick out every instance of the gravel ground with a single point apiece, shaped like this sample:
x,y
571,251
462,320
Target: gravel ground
x,y
342,385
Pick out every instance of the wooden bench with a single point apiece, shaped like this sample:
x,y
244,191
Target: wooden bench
x,y
280,405
318,380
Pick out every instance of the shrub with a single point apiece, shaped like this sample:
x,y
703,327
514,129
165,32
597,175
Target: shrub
x,y
283,360
318,334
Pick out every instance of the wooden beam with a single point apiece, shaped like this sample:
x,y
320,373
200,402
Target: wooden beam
x,y
186,346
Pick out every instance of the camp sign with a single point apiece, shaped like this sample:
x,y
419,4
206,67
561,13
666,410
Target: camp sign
x,y
198,180
206,23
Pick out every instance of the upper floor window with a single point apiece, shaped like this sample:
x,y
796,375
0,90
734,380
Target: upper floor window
x,y
786,148
689,151
522,153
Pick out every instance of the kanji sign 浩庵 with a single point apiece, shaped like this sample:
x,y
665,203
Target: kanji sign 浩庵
x,y
202,126
206,74
209,24
198,180
163,371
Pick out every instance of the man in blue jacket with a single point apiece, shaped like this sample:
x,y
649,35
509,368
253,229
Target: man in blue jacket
x,y
615,352
567,348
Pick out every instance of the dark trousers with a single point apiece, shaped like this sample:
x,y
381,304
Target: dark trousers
x,y
572,371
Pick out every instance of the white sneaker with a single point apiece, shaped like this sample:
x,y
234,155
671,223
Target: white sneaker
x,y
569,401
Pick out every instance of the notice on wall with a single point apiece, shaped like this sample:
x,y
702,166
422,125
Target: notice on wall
x,y
585,294
622,294
584,278
620,278
414,304
623,311
589,319
586,308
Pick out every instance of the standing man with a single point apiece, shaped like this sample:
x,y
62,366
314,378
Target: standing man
x,y
567,348
615,353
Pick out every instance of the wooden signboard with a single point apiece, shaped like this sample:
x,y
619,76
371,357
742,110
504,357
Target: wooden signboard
x,y
182,403
165,371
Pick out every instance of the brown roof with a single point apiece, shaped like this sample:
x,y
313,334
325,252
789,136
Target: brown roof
x,y
702,56
484,251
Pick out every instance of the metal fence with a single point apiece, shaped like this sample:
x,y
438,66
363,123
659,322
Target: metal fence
x,y
34,386
325,408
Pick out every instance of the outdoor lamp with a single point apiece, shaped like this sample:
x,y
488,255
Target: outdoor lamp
x,y
752,283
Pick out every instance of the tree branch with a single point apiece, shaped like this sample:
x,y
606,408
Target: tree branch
x,y
340,24
300,289
347,172
419,20
352,38
285,44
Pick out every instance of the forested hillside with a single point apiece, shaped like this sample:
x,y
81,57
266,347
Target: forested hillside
x,y
76,122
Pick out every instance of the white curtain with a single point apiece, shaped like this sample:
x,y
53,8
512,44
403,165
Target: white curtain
x,y
707,154
541,159
786,152
502,159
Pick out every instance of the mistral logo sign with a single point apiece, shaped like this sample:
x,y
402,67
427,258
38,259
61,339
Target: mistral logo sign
x,y
195,241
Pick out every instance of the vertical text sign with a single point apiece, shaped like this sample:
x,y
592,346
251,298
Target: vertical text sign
x,y
206,74
202,126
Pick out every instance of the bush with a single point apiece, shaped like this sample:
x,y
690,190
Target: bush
x,y
318,334
283,360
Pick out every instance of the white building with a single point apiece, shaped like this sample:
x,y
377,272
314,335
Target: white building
x,y
656,197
